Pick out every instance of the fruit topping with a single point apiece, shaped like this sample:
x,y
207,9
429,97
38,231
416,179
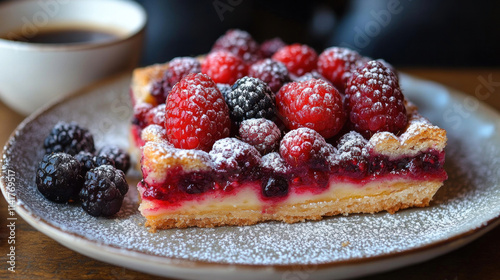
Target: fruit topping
x,y
275,187
304,147
234,159
160,90
314,104
299,59
271,46
374,100
196,114
239,43
250,98
352,156
140,112
68,138
103,191
272,72
336,64
180,67
224,67
261,133
58,177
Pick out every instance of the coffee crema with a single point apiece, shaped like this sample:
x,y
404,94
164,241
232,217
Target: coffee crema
x,y
63,35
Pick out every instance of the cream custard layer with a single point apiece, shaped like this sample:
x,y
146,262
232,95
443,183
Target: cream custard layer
x,y
247,207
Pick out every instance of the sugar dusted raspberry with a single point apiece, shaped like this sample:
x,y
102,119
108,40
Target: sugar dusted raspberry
x,y
311,75
234,158
352,156
140,112
273,163
250,98
299,59
261,133
314,104
224,67
180,67
303,147
336,64
196,115
374,100
239,43
271,46
156,115
272,72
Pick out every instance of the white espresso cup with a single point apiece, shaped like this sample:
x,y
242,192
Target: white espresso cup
x,y
33,73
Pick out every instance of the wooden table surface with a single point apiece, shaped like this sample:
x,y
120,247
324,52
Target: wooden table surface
x,y
39,257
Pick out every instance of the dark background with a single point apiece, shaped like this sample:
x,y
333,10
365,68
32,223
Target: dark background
x,y
410,33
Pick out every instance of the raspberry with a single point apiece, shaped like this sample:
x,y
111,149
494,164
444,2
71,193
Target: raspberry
x,y
352,154
274,164
299,59
155,115
224,67
160,90
140,112
196,115
89,161
250,98
311,75
271,46
69,138
336,64
103,191
180,67
303,147
314,104
374,100
120,158
274,73
239,43
234,158
58,177
261,133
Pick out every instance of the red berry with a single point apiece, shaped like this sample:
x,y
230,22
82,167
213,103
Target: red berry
x,y
299,59
156,115
314,104
224,67
196,115
336,64
272,72
271,46
160,90
140,112
374,100
180,67
261,133
303,147
239,43
234,159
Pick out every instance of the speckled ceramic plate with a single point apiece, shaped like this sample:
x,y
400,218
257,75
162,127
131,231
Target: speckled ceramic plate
x,y
464,208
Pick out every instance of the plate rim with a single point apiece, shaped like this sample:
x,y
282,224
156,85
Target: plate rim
x,y
117,251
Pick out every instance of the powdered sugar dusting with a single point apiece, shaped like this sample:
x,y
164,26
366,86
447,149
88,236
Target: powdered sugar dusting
x,y
468,199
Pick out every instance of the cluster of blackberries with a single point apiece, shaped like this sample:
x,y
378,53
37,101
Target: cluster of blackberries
x,y
71,170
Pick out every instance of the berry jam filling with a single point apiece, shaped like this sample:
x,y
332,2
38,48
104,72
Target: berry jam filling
x,y
276,186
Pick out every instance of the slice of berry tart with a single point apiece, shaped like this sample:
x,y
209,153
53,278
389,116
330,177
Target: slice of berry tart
x,y
276,132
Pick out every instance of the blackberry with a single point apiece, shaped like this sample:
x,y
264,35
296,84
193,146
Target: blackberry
x,y
103,191
89,161
250,98
69,138
58,177
275,187
225,89
120,158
